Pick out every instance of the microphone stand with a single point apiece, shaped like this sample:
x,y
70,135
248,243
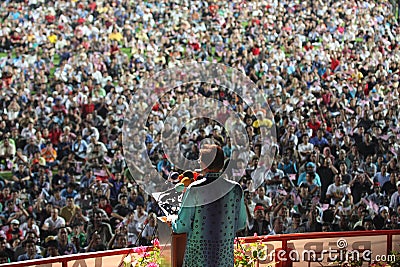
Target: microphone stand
x,y
153,236
135,245
140,235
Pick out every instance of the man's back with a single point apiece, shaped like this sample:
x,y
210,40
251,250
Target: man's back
x,y
211,227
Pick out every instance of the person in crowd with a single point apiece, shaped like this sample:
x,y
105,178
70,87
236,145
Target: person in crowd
x,y
69,210
31,252
6,250
122,210
51,247
65,247
258,225
53,223
338,192
99,227
277,226
150,232
395,198
296,225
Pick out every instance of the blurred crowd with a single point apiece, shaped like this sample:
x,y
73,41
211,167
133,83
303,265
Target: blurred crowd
x,y
329,72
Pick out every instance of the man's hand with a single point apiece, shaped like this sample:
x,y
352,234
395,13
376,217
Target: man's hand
x,y
118,230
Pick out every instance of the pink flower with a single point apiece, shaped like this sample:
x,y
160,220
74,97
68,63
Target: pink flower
x,y
152,264
140,250
156,243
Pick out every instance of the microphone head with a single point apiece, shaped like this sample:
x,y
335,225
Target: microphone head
x,y
179,187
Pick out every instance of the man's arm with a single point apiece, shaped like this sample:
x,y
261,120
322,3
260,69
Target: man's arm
x,y
393,200
328,192
183,223
116,215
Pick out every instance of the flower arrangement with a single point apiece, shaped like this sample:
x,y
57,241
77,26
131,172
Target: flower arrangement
x,y
148,256
248,255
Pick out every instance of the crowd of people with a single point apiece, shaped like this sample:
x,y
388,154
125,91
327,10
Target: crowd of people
x,y
329,71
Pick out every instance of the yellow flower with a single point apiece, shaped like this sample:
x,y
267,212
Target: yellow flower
x,y
127,261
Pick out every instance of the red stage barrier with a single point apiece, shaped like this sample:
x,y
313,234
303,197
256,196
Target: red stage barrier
x,y
378,242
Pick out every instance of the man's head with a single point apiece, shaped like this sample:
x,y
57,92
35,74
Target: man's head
x,y
384,211
338,179
259,212
261,191
368,159
103,201
383,169
54,213
122,240
3,243
211,158
305,138
31,235
52,248
277,224
70,201
70,187
320,133
30,246
140,208
97,217
285,181
310,167
326,227
63,234
123,199
6,142
368,223
273,166
14,224
4,257
392,177
296,218
134,194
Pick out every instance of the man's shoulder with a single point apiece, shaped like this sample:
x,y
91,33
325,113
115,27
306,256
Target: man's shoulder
x,y
22,257
331,186
395,194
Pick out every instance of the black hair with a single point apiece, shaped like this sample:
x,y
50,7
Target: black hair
x,y
28,241
4,254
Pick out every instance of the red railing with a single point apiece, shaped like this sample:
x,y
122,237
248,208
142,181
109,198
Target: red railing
x,y
75,258
289,237
375,239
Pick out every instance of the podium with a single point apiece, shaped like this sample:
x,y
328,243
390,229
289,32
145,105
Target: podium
x,y
178,247
177,242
